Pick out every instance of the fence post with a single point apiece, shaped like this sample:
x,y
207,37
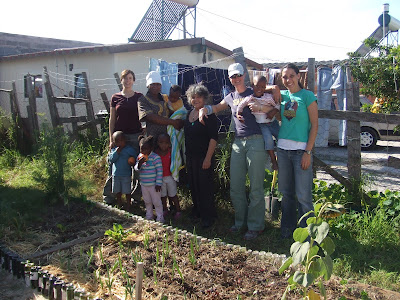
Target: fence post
x,y
16,115
118,81
105,101
89,108
55,119
353,142
32,112
311,75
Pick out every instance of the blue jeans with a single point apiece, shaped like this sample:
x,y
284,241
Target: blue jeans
x,y
248,157
270,130
294,182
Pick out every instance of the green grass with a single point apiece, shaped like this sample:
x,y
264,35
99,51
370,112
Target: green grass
x,y
367,242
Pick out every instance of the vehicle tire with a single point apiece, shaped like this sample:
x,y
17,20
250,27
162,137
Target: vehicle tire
x,y
368,138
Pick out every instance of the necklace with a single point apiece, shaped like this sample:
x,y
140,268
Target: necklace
x,y
193,116
127,94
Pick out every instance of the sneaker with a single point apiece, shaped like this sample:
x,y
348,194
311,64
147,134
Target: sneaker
x,y
252,234
234,229
178,215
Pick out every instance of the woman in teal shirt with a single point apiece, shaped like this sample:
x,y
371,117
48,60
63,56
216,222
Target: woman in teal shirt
x,y
299,112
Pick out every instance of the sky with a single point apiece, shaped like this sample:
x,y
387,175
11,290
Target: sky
x,y
268,31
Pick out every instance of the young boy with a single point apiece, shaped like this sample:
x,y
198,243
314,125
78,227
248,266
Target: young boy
x,y
174,99
122,158
263,103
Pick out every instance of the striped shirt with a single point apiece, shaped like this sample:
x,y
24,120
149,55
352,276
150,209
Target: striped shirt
x,y
151,172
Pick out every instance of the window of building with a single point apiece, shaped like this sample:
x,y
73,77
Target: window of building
x,y
80,87
37,84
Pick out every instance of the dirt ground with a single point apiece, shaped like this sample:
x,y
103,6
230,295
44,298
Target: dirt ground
x,y
175,265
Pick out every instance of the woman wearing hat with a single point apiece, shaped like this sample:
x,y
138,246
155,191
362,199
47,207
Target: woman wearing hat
x,y
153,109
248,157
124,117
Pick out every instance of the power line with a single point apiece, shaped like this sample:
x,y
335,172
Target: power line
x,y
270,32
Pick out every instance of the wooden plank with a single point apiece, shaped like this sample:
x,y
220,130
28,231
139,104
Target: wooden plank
x,y
323,166
74,119
89,108
88,124
69,100
32,112
116,76
16,115
353,133
66,245
311,75
50,100
359,116
105,101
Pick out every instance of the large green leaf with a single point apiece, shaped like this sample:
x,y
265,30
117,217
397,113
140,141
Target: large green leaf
x,y
326,267
300,234
303,279
319,232
328,245
299,252
285,265
314,250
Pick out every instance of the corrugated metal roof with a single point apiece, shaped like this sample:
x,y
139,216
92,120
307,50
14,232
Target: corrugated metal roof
x,y
302,64
131,47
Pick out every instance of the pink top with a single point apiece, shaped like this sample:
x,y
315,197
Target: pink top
x,y
265,99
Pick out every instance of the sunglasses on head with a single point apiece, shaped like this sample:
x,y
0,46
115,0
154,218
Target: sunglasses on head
x,y
236,75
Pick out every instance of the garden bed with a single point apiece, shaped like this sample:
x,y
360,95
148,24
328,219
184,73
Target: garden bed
x,y
177,264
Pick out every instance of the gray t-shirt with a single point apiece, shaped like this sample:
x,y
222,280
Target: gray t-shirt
x,y
249,126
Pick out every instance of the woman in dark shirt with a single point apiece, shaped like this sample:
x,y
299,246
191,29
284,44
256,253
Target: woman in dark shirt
x,y
124,117
200,142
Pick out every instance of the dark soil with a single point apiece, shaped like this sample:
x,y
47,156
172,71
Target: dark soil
x,y
182,268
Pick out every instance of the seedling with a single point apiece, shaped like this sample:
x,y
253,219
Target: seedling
x,y
192,255
176,237
311,250
146,239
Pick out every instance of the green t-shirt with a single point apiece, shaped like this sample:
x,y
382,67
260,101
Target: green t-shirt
x,y
295,124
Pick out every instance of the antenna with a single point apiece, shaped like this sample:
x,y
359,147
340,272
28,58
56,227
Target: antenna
x,y
163,17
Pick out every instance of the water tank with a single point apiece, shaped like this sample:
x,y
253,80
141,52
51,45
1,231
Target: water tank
x,y
190,3
390,22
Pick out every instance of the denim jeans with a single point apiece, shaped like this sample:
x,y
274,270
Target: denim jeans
x,y
248,157
294,182
270,130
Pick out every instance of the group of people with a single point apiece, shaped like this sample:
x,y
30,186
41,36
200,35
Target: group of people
x,y
175,136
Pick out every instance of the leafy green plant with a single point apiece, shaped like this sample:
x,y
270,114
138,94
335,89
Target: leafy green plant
x,y
53,148
118,233
310,253
378,75
223,157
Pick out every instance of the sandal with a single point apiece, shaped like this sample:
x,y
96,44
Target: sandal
x,y
252,234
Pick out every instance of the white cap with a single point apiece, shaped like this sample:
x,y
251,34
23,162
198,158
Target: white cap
x,y
153,77
235,69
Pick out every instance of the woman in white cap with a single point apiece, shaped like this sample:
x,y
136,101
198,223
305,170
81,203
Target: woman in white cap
x,y
248,157
153,109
